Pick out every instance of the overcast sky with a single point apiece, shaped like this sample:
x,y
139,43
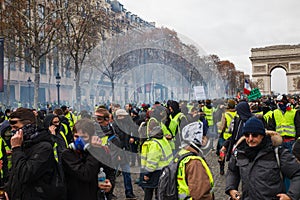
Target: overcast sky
x,y
227,28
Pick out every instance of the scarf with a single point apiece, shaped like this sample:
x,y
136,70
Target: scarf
x,y
251,152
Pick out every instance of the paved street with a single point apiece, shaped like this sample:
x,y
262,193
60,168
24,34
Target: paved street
x,y
211,159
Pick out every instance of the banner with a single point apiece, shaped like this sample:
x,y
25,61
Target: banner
x,y
1,65
199,93
254,94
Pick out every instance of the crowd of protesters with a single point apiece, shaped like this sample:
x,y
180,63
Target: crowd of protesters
x,y
54,153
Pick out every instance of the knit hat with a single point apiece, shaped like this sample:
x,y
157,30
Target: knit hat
x,y
254,125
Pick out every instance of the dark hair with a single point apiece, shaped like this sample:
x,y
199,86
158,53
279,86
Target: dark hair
x,y
58,111
85,125
24,114
103,111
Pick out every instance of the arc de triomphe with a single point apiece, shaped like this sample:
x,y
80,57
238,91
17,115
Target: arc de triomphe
x,y
266,59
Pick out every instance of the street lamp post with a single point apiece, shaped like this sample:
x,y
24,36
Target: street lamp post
x,y
58,85
29,97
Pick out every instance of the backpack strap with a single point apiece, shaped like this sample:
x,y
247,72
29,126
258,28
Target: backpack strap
x,y
278,161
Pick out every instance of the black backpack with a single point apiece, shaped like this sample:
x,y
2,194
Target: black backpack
x,y
167,185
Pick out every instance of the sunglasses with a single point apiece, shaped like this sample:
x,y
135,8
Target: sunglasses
x,y
55,122
253,134
13,122
100,117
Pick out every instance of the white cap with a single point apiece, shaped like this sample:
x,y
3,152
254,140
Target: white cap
x,y
121,112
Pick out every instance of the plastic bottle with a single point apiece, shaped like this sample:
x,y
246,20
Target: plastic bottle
x,y
101,176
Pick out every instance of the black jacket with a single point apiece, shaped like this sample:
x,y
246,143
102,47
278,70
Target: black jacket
x,y
32,169
261,177
80,169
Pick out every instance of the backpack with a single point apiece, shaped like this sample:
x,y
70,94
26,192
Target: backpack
x,y
167,185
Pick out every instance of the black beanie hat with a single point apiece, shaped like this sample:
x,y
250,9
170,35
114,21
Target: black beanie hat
x,y
254,125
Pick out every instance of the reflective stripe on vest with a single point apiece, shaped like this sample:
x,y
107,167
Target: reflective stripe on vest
x,y
64,137
228,116
208,115
65,128
175,122
156,154
285,122
55,151
183,189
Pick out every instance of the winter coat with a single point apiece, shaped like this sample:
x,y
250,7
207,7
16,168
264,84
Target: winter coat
x,y
81,170
31,175
197,179
261,177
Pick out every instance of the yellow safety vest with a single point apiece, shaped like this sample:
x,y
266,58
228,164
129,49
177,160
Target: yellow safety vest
x,y
229,115
208,115
71,118
164,129
156,154
183,189
268,116
55,145
175,122
285,122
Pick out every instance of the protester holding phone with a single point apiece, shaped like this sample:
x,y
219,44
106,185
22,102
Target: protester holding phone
x,y
33,161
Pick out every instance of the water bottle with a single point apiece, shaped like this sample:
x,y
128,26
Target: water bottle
x,y
101,176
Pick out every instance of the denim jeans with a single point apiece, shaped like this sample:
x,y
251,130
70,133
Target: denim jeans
x,y
127,179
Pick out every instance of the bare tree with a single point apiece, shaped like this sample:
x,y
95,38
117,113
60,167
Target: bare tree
x,y
34,25
84,26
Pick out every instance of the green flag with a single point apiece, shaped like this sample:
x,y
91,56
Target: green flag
x,y
254,94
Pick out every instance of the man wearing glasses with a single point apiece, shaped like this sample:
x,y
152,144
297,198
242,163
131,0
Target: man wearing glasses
x,y
33,161
254,163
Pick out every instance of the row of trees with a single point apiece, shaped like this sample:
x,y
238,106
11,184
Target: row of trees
x,y
79,32
58,30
